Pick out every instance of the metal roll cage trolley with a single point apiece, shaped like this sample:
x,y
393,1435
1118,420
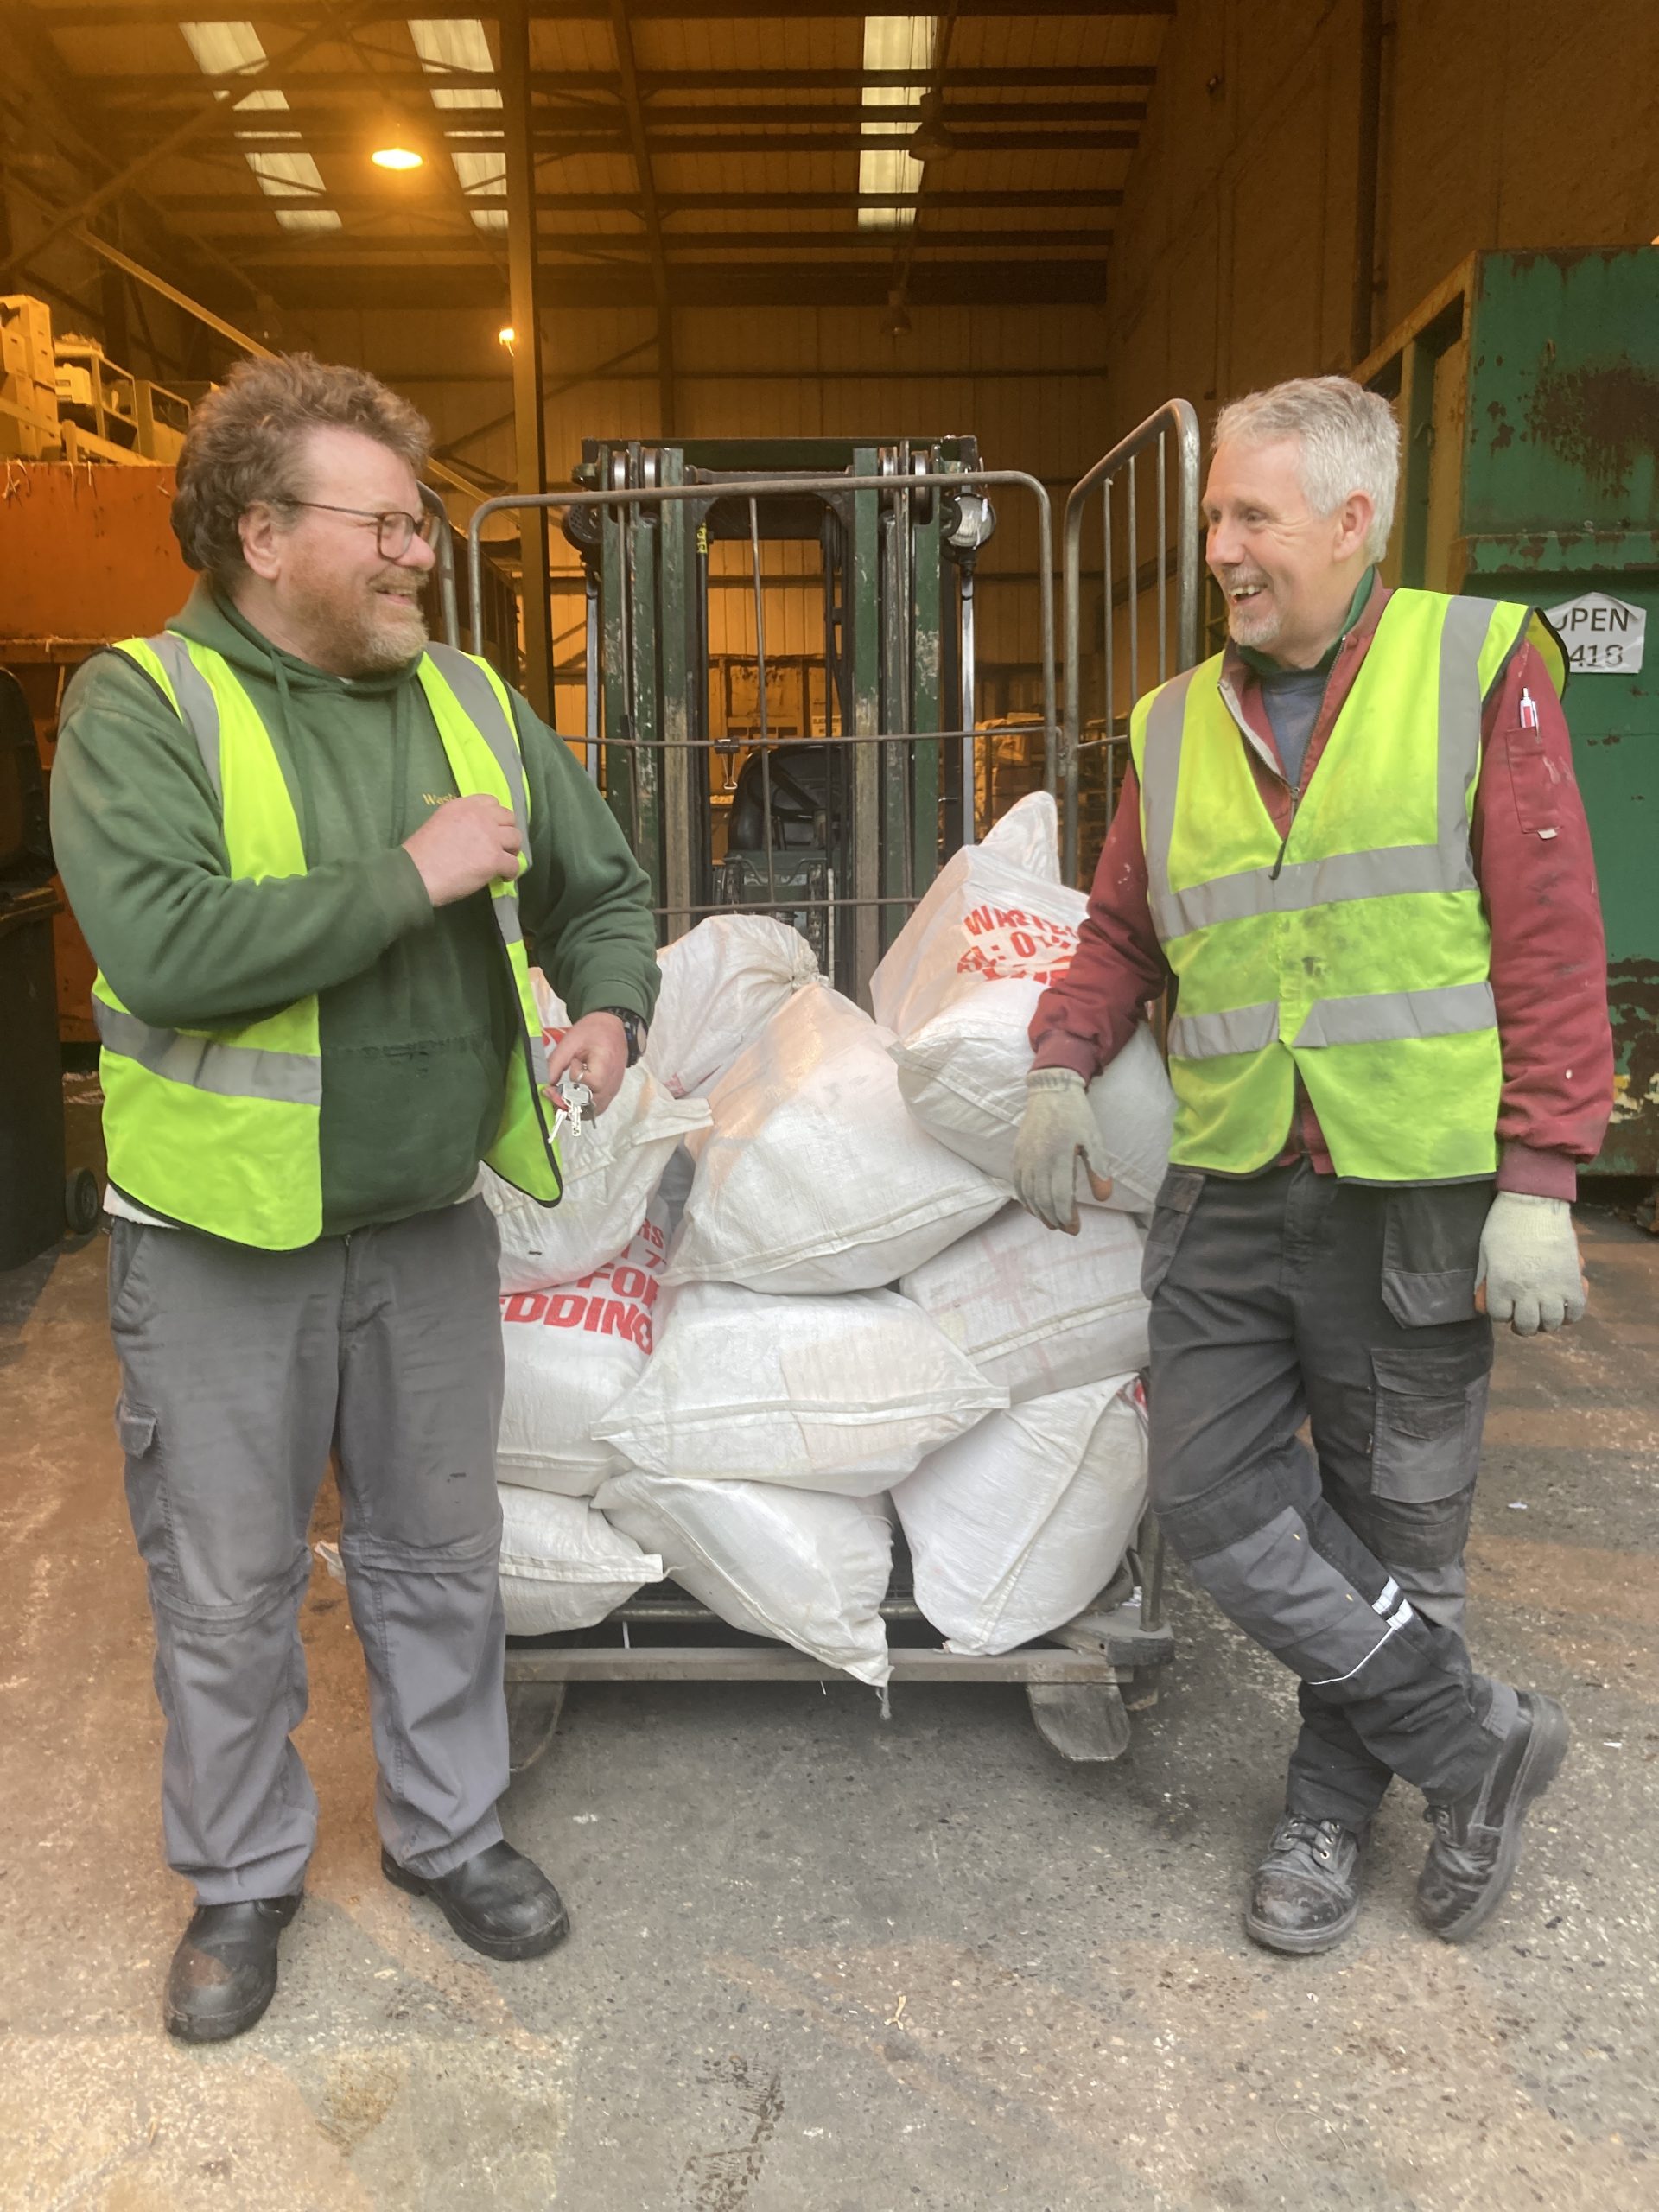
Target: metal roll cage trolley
x,y
850,827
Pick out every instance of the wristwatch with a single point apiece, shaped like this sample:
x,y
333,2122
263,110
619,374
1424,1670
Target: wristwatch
x,y
632,1028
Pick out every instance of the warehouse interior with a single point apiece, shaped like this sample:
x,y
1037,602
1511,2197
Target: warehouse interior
x,y
833,1952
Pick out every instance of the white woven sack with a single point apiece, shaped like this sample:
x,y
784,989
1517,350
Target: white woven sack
x,y
814,1176
840,1394
675,1187
1018,1525
1036,1310
1029,836
963,1077
721,983
959,987
987,919
612,1165
562,1565
799,1564
572,1350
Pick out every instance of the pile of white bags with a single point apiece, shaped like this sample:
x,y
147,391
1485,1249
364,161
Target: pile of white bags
x,y
1039,1313
563,1565
800,1565
839,1394
813,1176
572,1350
1017,1526
959,986
790,1296
721,981
612,1165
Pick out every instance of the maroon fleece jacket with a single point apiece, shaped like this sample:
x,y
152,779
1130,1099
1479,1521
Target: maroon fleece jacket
x,y
1537,878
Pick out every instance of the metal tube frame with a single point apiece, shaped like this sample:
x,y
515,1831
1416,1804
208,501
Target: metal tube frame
x,y
898,483
1175,421
1084,1662
449,599
761,487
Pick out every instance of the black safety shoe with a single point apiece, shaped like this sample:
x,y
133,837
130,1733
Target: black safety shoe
x,y
224,1972
1477,1836
497,1901
1306,1894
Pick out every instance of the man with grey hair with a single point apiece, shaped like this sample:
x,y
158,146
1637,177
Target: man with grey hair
x,y
307,849
1352,842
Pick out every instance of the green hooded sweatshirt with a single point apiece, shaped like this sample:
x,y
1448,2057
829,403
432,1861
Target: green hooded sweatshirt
x,y
416,1009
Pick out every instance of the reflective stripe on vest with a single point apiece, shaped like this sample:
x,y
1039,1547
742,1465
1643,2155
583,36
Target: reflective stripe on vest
x,y
1354,950
219,1128
207,1064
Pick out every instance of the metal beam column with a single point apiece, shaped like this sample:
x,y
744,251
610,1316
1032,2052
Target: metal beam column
x,y
529,421
633,110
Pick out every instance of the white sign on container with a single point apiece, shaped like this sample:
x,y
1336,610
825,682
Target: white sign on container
x,y
1603,636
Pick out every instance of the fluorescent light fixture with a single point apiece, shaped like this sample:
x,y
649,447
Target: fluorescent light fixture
x,y
893,43
221,47
446,45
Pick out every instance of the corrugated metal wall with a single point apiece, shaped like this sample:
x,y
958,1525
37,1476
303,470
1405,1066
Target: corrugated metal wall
x,y
1504,123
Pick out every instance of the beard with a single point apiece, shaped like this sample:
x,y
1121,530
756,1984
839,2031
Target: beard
x,y
1256,626
366,630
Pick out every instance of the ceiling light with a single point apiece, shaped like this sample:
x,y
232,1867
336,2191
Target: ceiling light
x,y
931,141
507,336
394,141
896,321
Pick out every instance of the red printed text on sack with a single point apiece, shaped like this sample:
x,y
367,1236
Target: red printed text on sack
x,y
1009,943
614,1301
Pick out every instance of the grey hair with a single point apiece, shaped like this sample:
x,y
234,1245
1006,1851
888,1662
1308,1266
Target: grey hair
x,y
1349,442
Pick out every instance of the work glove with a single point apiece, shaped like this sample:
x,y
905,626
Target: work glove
x,y
1056,1130
1529,1274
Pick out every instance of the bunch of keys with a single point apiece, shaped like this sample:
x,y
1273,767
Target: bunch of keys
x,y
573,1101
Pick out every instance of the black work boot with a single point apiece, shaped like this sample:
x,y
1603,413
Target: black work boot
x,y
497,1901
224,1972
1306,1894
1477,1836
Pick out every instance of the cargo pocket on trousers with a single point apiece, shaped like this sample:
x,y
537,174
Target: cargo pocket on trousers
x,y
1172,1210
136,1428
1427,1422
126,1240
1431,1251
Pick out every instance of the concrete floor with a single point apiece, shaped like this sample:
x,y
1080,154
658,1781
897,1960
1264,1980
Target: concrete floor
x,y
826,1963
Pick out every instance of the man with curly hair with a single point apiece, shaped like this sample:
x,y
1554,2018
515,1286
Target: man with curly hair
x,y
308,849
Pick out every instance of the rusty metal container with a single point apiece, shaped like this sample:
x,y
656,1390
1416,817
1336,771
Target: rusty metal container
x,y
86,555
1527,389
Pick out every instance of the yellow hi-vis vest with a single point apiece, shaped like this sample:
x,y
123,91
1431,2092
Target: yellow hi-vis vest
x,y
1354,950
218,1129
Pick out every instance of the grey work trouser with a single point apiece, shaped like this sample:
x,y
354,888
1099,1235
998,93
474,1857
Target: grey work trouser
x,y
241,1370
1286,1297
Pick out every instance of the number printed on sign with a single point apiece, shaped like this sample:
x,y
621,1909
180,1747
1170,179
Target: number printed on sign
x,y
1603,636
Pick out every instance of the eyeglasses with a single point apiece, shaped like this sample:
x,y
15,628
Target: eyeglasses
x,y
394,530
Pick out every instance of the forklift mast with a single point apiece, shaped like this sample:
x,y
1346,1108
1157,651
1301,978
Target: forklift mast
x,y
839,823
